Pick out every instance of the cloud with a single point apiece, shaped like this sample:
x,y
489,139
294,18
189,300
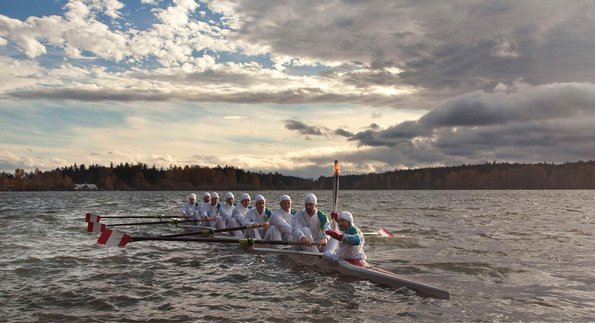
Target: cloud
x,y
302,128
522,122
383,53
343,133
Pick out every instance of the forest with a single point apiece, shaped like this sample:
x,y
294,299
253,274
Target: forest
x,y
499,176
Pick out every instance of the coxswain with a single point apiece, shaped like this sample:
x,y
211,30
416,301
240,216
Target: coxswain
x,y
351,241
257,216
280,223
309,225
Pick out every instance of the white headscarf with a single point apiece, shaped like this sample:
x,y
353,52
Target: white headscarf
x,y
310,198
346,216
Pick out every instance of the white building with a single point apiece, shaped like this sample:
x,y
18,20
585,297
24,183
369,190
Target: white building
x,y
85,187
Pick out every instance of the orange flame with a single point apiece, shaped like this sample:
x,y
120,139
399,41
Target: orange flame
x,y
336,167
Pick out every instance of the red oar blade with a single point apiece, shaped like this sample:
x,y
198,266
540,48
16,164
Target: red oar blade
x,y
113,238
385,233
92,217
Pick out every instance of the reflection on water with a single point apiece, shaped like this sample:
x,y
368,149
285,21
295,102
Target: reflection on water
x,y
504,256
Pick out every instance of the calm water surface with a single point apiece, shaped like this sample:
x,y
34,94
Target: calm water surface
x,y
504,255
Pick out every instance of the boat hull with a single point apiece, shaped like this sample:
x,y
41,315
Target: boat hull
x,y
373,274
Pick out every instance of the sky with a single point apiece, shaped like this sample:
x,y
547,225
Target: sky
x,y
290,86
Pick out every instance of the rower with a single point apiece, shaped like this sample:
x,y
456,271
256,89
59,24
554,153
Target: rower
x,y
225,211
189,208
309,225
280,228
239,213
201,212
351,241
213,209
258,215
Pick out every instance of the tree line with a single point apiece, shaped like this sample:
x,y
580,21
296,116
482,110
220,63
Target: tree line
x,y
571,175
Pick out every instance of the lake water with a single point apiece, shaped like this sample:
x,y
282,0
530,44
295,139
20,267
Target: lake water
x,y
504,256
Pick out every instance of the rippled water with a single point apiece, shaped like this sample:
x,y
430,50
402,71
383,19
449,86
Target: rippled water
x,y
504,256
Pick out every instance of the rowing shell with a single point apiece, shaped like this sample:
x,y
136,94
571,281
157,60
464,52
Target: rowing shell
x,y
373,274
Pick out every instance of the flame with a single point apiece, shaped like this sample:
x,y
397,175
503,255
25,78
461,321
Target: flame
x,y
336,167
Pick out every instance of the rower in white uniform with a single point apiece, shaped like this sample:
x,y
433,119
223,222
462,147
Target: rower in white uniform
x,y
202,209
189,208
225,211
238,214
351,241
280,223
308,226
212,209
258,215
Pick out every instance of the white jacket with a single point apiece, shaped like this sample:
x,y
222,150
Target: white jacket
x,y
282,220
189,209
318,223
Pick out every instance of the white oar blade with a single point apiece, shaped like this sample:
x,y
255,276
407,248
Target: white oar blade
x,y
95,227
113,238
92,217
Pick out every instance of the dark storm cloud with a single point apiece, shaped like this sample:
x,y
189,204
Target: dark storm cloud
x,y
343,133
528,123
442,49
302,128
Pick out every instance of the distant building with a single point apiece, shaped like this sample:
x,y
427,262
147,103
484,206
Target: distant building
x,y
85,187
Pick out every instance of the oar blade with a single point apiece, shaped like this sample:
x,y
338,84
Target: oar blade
x,y
113,238
385,233
95,227
92,217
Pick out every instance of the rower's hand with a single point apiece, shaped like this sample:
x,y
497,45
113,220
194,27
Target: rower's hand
x,y
306,242
265,225
336,234
322,242
335,216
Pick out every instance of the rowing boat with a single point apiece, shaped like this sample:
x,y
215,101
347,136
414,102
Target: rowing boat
x,y
370,273
115,238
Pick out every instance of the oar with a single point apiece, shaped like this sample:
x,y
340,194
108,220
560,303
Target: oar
x,y
210,232
381,233
242,241
116,238
173,220
96,218
93,227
